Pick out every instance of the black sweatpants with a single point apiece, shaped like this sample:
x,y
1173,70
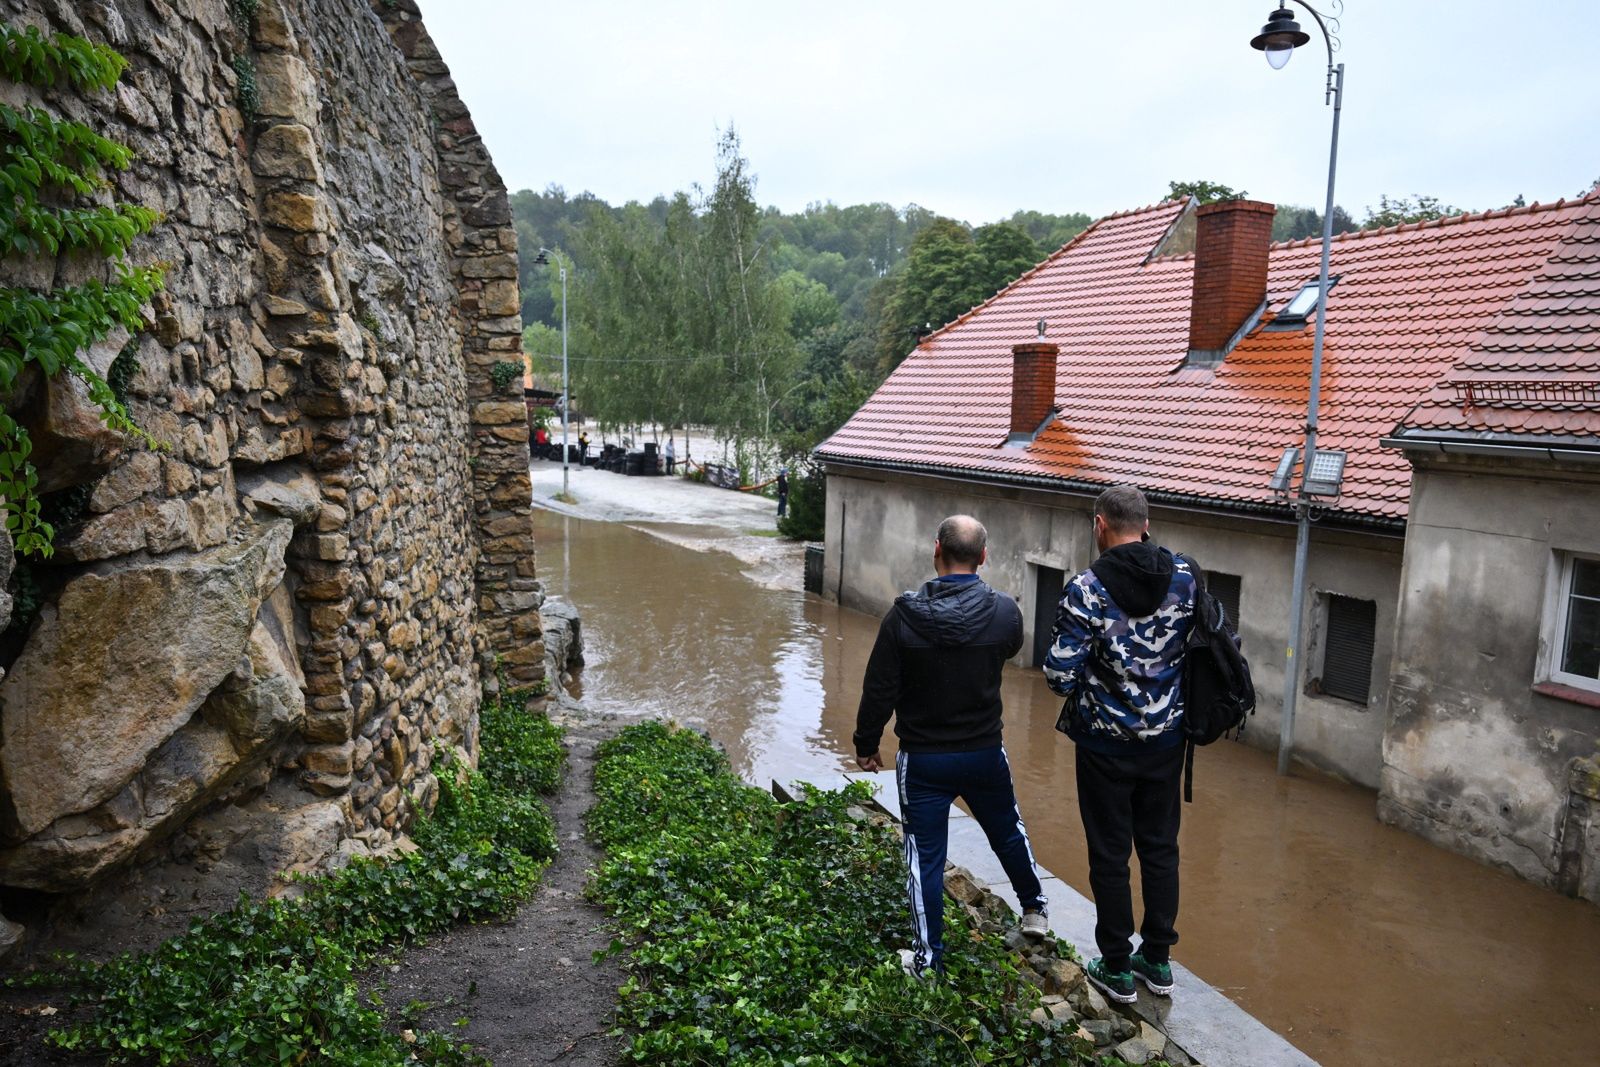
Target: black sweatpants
x,y
1132,802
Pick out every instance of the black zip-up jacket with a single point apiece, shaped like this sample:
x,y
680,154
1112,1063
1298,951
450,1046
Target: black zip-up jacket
x,y
937,663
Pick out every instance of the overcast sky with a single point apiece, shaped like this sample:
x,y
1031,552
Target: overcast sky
x,y
977,109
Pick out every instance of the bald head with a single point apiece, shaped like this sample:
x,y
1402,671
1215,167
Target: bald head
x,y
961,541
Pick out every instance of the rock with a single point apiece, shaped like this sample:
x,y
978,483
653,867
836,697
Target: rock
x,y
1099,1030
287,89
283,489
1062,976
299,212
137,475
272,29
119,663
960,885
8,561
71,445
10,936
1146,1046
287,151
1052,1017
1095,1003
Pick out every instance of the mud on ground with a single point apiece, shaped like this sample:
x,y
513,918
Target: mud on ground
x,y
529,988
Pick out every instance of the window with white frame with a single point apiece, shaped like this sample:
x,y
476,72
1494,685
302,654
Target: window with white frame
x,y
1573,623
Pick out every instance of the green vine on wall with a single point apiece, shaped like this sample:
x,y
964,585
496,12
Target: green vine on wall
x,y
46,163
503,373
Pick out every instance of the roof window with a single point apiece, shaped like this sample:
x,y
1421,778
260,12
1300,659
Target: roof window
x,y
1298,310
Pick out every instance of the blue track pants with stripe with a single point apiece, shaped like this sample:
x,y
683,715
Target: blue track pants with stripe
x,y
929,783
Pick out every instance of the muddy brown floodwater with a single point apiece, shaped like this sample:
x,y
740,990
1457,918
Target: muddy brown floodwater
x,y
1361,944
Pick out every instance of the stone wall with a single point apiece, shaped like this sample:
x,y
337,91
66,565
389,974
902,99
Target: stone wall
x,y
309,579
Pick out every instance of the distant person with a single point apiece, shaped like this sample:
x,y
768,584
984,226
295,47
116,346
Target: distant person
x,y
541,442
671,453
783,491
583,446
1117,656
936,667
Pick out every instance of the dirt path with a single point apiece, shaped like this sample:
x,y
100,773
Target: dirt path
x,y
529,988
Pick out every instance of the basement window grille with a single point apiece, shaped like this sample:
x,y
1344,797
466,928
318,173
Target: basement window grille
x,y
1347,650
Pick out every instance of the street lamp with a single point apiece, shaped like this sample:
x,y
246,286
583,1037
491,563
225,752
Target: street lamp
x,y
1278,39
543,259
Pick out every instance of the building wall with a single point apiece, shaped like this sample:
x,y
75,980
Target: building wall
x,y
1474,758
880,531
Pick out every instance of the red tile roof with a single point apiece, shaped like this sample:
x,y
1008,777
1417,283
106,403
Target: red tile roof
x,y
1411,301
1536,369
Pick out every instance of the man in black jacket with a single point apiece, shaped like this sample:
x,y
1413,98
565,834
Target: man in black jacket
x,y
937,663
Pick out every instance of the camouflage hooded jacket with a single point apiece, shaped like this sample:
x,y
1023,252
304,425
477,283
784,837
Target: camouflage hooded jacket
x,y
1117,650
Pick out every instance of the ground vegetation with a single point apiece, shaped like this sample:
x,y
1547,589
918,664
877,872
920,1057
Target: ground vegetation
x,y
759,932
286,980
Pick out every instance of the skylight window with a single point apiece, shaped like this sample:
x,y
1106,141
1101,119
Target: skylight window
x,y
1304,304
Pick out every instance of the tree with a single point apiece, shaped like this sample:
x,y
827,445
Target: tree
x,y
1293,222
1395,211
1050,232
1204,192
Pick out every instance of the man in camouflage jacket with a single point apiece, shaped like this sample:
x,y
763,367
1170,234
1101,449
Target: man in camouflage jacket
x,y
1117,656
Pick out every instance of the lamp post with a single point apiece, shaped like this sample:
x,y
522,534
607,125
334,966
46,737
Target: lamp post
x,y
1278,39
543,258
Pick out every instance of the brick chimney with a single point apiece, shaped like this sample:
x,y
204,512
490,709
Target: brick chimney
x,y
1230,273
1033,385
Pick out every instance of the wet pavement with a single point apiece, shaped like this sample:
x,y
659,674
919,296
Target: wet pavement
x,y
1359,943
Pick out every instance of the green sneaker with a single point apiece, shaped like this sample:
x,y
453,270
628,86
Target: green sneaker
x,y
1116,985
1158,976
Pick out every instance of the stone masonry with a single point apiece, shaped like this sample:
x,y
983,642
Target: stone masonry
x,y
305,586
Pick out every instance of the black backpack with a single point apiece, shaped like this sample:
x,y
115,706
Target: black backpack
x,y
1217,691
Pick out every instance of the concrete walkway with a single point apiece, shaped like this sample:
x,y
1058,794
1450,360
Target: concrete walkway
x,y
1207,1025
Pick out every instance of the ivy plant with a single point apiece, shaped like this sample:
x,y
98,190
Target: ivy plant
x,y
54,201
764,933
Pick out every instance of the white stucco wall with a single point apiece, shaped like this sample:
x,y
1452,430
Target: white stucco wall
x,y
1474,758
880,531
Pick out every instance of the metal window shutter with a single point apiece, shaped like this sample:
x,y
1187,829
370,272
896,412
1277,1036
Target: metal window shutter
x,y
1347,661
1225,587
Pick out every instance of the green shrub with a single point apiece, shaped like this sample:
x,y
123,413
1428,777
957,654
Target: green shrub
x,y
276,981
503,373
808,502
766,933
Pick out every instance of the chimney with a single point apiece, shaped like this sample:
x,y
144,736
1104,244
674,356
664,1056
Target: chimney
x,y
1033,386
1230,274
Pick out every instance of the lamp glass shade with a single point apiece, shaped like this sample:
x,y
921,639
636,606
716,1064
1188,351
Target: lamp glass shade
x,y
1278,56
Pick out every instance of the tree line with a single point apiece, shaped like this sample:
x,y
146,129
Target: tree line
x,y
771,328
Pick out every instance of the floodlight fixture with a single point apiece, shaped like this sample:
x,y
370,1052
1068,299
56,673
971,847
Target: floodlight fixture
x,y
1325,475
1285,471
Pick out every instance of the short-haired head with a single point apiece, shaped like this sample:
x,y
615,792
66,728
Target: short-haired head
x,y
1123,509
962,540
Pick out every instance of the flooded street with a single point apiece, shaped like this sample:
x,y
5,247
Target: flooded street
x,y
1361,944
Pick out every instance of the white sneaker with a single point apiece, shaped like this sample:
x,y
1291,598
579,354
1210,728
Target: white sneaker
x,y
1034,925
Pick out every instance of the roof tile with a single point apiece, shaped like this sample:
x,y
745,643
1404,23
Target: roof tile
x,y
1418,308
